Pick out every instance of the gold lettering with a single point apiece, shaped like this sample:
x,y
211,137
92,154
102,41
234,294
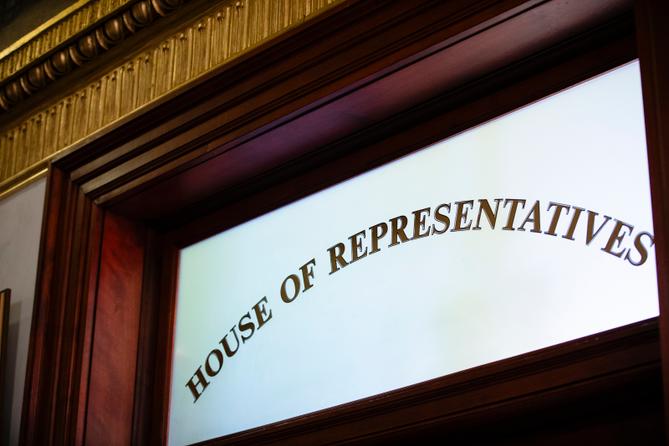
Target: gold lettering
x,y
378,232
617,237
193,385
643,251
574,221
211,371
296,288
356,253
484,208
261,312
246,326
590,235
419,223
308,274
337,257
461,215
534,217
397,234
556,216
512,212
226,346
442,218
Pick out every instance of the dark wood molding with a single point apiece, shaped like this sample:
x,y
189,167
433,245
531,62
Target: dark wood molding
x,y
61,333
116,336
652,17
153,379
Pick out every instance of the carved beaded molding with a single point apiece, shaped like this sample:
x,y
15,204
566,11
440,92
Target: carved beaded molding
x,y
226,30
74,52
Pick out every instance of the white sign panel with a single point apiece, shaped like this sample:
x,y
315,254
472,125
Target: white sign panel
x,y
527,231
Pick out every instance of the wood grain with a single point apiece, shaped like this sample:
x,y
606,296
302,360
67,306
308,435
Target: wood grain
x,y
116,334
60,335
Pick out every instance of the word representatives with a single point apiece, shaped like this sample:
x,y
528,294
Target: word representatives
x,y
612,236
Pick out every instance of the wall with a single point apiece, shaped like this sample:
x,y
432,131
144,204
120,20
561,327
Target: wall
x,y
20,225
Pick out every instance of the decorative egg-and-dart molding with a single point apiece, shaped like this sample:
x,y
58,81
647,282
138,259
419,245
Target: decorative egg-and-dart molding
x,y
71,54
227,29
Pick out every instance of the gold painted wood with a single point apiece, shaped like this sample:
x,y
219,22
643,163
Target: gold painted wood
x,y
67,50
53,33
207,42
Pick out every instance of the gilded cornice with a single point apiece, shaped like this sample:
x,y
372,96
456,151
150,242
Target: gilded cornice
x,y
80,35
55,32
225,31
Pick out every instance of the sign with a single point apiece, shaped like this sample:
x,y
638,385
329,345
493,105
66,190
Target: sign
x,y
527,231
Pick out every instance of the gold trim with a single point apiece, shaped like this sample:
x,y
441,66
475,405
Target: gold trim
x,y
6,191
66,50
225,32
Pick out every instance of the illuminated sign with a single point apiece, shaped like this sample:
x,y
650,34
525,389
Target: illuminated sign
x,y
527,231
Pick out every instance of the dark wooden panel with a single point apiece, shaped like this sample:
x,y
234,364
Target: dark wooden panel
x,y
628,413
116,334
154,358
57,370
653,41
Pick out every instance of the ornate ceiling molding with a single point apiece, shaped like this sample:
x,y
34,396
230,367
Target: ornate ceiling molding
x,y
224,32
82,34
54,32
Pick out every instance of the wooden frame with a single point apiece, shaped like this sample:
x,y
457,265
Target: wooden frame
x,y
326,101
5,300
